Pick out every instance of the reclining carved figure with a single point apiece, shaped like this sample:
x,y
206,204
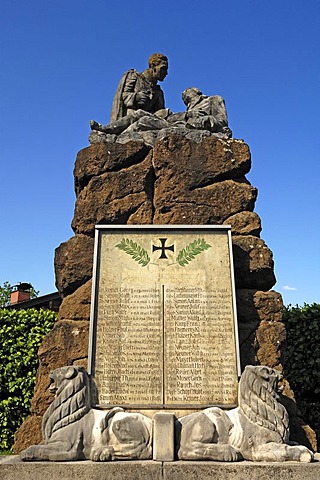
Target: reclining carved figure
x,y
203,113
258,429
72,430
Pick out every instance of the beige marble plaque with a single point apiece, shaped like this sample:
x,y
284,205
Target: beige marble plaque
x,y
163,326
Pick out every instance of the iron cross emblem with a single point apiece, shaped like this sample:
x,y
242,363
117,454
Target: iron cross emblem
x,y
163,248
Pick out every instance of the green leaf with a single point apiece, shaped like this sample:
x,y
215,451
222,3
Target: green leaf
x,y
137,253
188,253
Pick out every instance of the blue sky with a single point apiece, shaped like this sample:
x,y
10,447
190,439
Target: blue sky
x,y
61,61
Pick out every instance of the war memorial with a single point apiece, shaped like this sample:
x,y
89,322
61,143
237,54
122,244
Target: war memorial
x,y
165,360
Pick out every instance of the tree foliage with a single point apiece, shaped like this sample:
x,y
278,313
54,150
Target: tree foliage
x,y
21,333
302,360
5,292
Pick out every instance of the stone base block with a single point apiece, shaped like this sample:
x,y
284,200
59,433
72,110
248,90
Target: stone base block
x,y
12,468
163,436
240,471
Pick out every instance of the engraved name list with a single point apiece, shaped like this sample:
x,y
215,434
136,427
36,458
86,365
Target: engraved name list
x,y
163,326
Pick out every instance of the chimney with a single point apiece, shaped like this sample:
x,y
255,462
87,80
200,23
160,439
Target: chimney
x,y
20,293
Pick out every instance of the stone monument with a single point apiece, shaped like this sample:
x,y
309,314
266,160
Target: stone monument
x,y
152,167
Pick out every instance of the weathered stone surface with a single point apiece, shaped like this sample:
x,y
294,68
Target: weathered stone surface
x,y
66,344
28,433
98,137
106,157
253,263
194,135
77,305
73,263
201,206
270,338
191,191
113,197
198,165
254,307
148,137
244,223
143,215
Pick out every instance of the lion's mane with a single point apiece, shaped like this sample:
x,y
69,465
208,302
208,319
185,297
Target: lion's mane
x,y
260,403
71,402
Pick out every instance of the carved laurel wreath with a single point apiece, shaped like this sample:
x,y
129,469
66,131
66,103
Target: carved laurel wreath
x,y
185,256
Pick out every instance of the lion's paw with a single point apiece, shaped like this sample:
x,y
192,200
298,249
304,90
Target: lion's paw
x,y
102,454
229,454
29,454
302,454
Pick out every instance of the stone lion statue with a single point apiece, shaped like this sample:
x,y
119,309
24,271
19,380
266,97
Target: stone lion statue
x,y
258,429
72,430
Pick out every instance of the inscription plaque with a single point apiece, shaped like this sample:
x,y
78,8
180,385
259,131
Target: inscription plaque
x,y
163,319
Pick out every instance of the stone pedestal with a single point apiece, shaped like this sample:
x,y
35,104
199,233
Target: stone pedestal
x,y
178,181
11,468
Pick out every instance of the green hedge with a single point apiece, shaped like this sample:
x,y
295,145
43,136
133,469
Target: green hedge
x,y
302,360
21,333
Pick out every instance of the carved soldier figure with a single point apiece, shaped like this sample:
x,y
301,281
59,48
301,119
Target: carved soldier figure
x,y
203,112
141,90
137,95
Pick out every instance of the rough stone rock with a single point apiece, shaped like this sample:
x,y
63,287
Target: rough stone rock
x,y
77,305
66,344
100,137
104,157
28,433
244,223
198,165
201,206
253,263
73,263
143,215
113,197
270,338
132,136
150,137
254,307
194,135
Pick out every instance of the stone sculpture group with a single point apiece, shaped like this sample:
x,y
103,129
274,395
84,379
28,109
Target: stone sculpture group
x,y
258,429
139,113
